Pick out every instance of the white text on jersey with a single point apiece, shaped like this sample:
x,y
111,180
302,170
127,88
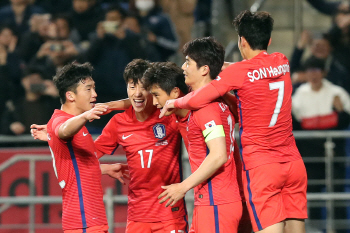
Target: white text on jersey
x,y
270,71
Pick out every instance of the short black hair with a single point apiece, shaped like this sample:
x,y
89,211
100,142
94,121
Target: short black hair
x,y
167,75
206,51
314,63
135,69
255,27
65,17
69,76
117,7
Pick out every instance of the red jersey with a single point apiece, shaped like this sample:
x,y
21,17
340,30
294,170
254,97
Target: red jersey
x,y
263,90
222,187
78,172
182,126
152,150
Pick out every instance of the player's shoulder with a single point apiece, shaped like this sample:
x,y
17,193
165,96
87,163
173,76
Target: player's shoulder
x,y
278,57
127,115
209,110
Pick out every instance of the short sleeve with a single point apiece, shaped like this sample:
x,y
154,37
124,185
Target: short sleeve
x,y
108,141
231,78
208,117
57,122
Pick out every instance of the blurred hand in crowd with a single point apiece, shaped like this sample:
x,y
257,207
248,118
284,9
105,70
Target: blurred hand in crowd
x,y
337,104
343,20
3,55
17,128
304,40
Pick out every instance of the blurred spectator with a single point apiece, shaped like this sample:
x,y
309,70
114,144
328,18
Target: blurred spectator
x,y
85,15
182,14
18,13
320,105
321,49
202,16
113,48
10,72
157,26
340,38
54,6
33,39
37,105
329,7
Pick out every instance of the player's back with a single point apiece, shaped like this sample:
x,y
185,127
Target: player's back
x,y
152,149
78,172
264,102
222,187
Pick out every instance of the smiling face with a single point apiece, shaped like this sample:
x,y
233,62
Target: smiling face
x,y
140,98
85,95
192,73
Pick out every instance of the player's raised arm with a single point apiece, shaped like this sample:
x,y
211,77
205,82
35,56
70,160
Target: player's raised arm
x,y
72,126
193,100
39,132
122,104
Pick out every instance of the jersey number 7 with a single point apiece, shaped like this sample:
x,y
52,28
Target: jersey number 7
x,y
280,87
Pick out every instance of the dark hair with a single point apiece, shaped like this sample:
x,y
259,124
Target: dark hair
x,y
206,51
135,69
117,7
8,26
65,17
68,78
256,28
314,63
167,75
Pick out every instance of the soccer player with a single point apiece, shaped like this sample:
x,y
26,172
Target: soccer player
x,y
74,155
166,81
275,176
152,151
218,204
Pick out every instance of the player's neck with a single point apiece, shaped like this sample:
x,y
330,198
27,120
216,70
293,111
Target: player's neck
x,y
70,109
181,112
204,81
252,53
147,112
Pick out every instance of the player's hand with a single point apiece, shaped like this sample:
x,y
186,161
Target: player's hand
x,y
173,192
117,171
39,132
169,105
109,110
95,112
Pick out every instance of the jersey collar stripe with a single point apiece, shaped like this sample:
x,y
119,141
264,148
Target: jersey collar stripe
x,y
80,191
257,221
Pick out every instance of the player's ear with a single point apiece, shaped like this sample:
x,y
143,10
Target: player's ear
x,y
269,42
205,70
175,93
70,96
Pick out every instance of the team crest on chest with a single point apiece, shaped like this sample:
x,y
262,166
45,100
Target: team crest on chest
x,y
159,131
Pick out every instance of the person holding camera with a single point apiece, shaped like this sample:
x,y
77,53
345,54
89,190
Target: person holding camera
x,y
37,105
113,47
10,72
56,52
